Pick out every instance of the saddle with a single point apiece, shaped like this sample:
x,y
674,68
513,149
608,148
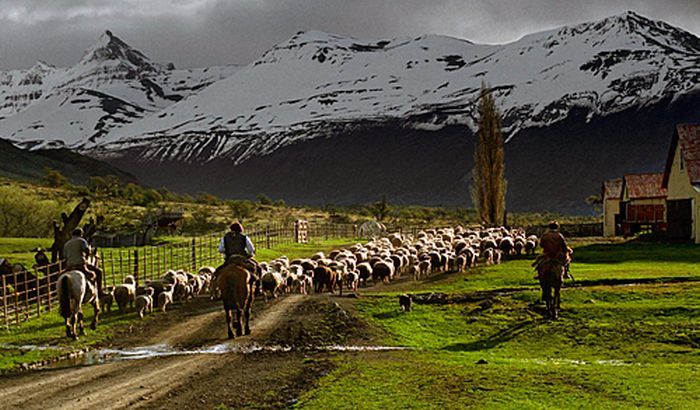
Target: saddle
x,y
249,264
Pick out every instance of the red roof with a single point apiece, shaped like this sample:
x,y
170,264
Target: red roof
x,y
644,186
612,189
688,136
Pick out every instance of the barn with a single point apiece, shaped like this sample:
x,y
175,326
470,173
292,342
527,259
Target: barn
x,y
612,194
643,203
682,182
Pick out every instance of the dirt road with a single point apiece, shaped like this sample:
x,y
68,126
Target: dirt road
x,y
264,378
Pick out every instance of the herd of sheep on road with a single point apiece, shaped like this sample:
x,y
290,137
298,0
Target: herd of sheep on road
x,y
380,260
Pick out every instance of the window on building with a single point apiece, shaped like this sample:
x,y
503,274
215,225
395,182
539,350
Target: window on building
x,y
682,163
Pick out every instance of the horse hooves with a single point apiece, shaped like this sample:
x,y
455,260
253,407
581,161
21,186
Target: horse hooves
x,y
247,332
230,335
93,325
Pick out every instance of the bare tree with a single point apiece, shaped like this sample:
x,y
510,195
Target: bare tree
x,y
489,185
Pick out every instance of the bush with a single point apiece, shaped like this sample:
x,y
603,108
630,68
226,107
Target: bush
x,y
241,210
25,215
54,178
264,199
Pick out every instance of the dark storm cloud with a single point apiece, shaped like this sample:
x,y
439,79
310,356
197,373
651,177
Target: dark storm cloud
x,y
207,32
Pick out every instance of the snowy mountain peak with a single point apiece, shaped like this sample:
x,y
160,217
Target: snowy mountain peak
x,y
110,47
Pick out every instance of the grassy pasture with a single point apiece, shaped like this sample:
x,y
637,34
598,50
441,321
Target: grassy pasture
x,y
630,343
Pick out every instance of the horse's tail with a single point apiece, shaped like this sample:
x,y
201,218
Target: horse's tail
x,y
64,297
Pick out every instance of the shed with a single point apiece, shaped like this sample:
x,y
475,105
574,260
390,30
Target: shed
x,y
612,195
682,182
643,203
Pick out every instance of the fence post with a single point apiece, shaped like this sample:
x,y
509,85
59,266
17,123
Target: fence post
x,y
194,255
136,265
267,235
4,299
38,297
14,277
26,296
111,265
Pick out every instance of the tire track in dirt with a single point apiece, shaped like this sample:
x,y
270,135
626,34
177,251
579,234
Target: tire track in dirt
x,y
135,383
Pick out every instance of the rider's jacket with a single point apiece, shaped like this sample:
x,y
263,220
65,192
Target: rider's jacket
x,y
75,251
554,245
235,244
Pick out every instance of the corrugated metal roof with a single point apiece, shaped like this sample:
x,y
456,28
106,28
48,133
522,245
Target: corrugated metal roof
x,y
689,138
612,189
643,186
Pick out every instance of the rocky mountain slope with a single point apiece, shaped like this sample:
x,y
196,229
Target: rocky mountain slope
x,y
112,85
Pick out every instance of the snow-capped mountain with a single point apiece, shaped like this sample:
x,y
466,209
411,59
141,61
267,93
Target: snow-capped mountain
x,y
315,82
580,104
112,85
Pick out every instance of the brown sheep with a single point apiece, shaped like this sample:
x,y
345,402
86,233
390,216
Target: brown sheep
x,y
324,277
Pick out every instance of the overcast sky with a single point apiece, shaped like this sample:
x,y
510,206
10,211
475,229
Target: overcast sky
x,y
199,33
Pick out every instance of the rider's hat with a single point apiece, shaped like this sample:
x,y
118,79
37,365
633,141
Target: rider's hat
x,y
78,232
554,225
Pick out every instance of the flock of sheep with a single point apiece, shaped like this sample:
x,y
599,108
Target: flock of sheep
x,y
386,258
379,260
172,286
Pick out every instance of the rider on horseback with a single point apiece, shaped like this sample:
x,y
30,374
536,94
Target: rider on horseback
x,y
554,249
76,252
238,248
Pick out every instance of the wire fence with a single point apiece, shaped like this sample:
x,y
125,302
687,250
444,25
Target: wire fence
x,y
31,293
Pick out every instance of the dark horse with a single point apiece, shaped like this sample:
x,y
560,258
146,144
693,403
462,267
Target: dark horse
x,y
237,294
551,275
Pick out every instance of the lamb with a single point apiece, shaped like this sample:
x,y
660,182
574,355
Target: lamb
x,y
497,256
351,280
364,270
424,267
125,293
530,247
382,271
107,299
461,263
144,302
507,245
271,282
166,297
488,256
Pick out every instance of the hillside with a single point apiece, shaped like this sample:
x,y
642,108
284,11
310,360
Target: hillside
x,y
21,164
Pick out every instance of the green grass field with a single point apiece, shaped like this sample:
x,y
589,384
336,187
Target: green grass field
x,y
615,346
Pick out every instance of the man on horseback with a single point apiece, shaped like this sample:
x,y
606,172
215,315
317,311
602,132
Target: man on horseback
x,y
76,252
238,249
554,248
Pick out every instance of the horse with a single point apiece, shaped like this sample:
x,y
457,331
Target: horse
x,y
237,290
74,290
551,276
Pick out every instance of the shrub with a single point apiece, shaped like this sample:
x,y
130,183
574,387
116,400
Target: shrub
x,y
25,215
264,199
54,178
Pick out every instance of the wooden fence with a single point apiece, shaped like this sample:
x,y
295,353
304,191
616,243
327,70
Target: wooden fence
x,y
28,294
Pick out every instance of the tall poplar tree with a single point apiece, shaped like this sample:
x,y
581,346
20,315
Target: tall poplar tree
x,y
489,185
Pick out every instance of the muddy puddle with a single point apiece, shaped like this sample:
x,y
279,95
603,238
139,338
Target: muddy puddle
x,y
104,356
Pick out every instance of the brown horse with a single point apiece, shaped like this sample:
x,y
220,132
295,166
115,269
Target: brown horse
x,y
237,294
551,276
